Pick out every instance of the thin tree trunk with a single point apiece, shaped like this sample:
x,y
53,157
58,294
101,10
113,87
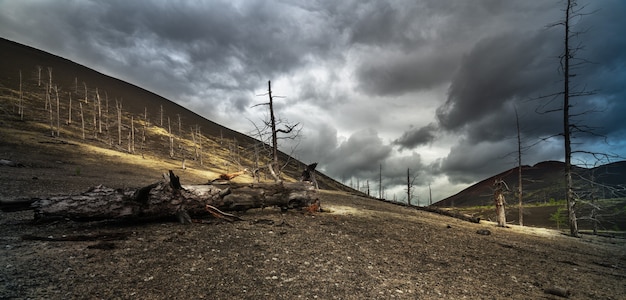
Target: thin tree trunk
x,y
200,144
82,118
56,92
169,130
408,187
69,109
573,224
99,111
519,171
275,173
20,106
86,99
118,106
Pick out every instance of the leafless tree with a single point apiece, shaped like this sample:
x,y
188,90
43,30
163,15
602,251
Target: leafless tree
x,y
409,185
82,118
519,171
569,62
171,137
289,131
20,106
69,109
56,91
118,107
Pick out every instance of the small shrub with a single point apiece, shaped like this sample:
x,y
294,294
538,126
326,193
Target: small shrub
x,y
559,217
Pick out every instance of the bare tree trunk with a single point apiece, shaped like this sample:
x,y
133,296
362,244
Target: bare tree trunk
x,y
94,113
498,197
161,112
56,91
82,118
106,113
519,171
20,105
118,106
275,173
39,75
195,143
99,111
69,109
200,144
573,224
50,115
380,181
408,188
169,130
86,99
131,144
430,195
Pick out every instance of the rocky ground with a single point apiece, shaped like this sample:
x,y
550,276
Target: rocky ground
x,y
358,248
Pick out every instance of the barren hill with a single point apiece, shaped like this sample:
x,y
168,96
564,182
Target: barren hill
x,y
542,182
152,119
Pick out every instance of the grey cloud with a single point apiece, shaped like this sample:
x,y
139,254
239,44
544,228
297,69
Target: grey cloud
x,y
359,155
396,74
498,69
417,136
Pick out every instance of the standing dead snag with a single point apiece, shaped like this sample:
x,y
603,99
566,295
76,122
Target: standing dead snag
x,y
168,199
500,188
309,174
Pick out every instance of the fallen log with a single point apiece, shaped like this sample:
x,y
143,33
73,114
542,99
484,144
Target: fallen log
x,y
449,213
168,198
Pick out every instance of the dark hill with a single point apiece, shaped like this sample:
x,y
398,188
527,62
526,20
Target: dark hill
x,y
544,181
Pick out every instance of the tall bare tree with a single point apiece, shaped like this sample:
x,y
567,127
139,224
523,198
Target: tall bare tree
x,y
409,185
272,124
519,171
20,106
568,63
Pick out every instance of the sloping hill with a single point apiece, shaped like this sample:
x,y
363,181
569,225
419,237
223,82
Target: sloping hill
x,y
545,181
143,113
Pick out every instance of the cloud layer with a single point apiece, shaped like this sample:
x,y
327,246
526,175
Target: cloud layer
x,y
431,86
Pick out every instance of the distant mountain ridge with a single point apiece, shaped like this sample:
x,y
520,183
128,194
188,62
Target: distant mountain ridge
x,y
542,182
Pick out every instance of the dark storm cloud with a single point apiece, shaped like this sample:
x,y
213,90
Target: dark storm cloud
x,y
358,156
228,45
417,136
498,69
396,74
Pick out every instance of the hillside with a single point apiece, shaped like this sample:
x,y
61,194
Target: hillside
x,y
151,119
545,181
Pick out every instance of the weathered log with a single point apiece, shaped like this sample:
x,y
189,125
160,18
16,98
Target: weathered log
x,y
168,198
449,213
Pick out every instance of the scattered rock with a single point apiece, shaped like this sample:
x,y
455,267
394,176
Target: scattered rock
x,y
483,231
558,291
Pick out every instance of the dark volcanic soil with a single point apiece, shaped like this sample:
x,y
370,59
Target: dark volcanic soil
x,y
359,249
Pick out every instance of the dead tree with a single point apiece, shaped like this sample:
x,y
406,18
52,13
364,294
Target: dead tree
x,y
168,199
272,124
308,174
500,188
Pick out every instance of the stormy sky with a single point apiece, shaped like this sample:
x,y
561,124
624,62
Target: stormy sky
x,y
428,85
